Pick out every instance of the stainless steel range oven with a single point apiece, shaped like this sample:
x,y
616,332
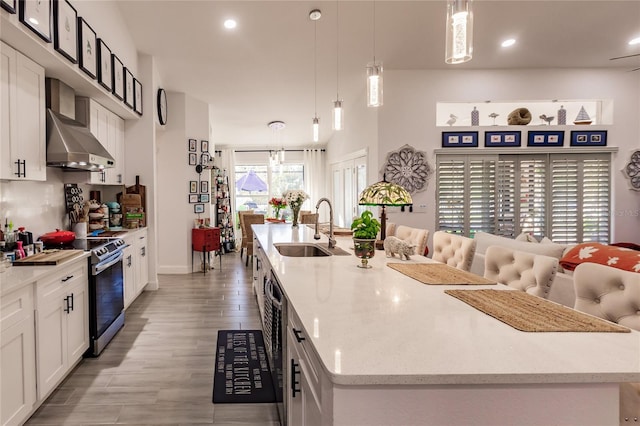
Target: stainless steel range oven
x,y
106,288
106,292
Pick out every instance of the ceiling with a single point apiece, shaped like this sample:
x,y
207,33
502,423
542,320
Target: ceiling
x,y
264,69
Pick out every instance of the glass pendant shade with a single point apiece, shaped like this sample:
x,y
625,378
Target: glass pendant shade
x,y
374,84
316,129
282,156
459,47
338,115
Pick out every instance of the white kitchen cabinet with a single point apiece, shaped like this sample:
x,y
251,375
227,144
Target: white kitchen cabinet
x,y
108,128
62,328
302,387
136,265
23,122
142,266
261,273
129,274
17,357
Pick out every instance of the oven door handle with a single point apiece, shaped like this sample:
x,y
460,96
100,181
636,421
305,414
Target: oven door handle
x,y
112,261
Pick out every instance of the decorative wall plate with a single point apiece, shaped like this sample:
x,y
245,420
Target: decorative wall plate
x,y
408,168
632,170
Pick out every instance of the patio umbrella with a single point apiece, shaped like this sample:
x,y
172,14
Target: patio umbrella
x,y
251,182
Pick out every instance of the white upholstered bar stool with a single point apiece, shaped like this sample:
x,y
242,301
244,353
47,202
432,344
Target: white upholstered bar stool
x,y
532,273
415,236
612,294
453,249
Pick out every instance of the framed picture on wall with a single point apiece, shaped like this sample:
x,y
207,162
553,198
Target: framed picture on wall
x,y
198,208
105,77
137,96
588,138
204,186
545,138
128,88
8,5
193,159
193,145
193,198
459,139
204,198
204,146
502,139
193,186
65,30
118,77
87,57
36,15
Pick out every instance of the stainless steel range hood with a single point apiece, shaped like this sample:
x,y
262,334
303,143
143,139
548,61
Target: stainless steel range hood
x,y
70,144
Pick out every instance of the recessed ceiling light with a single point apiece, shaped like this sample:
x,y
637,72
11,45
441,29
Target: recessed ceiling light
x,y
508,42
635,41
230,24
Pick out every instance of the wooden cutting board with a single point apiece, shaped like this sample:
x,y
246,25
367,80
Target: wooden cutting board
x,y
51,258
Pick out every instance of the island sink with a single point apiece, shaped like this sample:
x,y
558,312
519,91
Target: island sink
x,y
301,250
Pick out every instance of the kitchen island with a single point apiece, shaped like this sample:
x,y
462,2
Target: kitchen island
x,y
375,347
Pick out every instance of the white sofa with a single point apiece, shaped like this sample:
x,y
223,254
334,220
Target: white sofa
x,y
562,290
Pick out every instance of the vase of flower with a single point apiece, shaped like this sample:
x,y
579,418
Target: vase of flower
x,y
365,230
296,214
295,198
277,204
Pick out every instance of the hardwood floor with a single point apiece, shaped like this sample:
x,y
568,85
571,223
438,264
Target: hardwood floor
x,y
158,370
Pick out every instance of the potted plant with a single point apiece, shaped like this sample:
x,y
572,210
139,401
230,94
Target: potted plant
x,y
365,230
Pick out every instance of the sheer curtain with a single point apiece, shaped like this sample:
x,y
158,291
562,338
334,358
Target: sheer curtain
x,y
315,178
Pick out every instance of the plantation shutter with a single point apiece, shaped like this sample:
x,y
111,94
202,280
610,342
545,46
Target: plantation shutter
x,y
565,197
532,211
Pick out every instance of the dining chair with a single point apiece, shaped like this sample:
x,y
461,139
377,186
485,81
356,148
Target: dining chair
x,y
415,236
390,230
240,221
528,272
453,249
247,237
307,218
612,294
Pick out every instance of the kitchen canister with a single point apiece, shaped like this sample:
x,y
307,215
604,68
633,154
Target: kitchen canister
x,y
80,229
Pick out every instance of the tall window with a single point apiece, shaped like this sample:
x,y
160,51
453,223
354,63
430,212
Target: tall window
x,y
275,181
562,196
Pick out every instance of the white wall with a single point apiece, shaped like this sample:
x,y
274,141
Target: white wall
x,y
188,118
408,117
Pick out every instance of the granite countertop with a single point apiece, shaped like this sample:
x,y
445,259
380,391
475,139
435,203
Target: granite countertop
x,y
379,327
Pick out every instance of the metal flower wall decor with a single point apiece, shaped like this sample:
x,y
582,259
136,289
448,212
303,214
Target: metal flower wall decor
x,y
408,168
632,170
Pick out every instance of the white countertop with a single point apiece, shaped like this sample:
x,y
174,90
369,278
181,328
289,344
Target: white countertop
x,y
18,276
378,326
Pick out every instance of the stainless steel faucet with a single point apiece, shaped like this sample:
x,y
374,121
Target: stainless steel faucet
x,y
332,241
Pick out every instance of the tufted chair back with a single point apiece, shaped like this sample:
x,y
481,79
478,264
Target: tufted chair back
x,y
609,293
533,273
390,231
612,294
415,236
454,250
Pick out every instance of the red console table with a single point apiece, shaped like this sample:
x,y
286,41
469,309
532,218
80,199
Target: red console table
x,y
206,240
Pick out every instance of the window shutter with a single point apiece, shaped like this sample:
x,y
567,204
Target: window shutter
x,y
532,191
506,197
451,188
482,195
595,176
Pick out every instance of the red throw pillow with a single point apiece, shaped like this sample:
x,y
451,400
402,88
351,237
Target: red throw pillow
x,y
617,257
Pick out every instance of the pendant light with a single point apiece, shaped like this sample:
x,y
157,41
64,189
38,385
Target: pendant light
x,y
374,73
277,127
338,112
459,46
315,15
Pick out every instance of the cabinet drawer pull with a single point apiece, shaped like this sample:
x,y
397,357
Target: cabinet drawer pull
x,y
64,280
68,308
294,383
129,261
298,334
71,307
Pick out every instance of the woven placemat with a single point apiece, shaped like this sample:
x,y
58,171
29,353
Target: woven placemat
x,y
526,312
438,274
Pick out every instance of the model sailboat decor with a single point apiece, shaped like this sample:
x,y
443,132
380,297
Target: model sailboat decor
x,y
583,117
